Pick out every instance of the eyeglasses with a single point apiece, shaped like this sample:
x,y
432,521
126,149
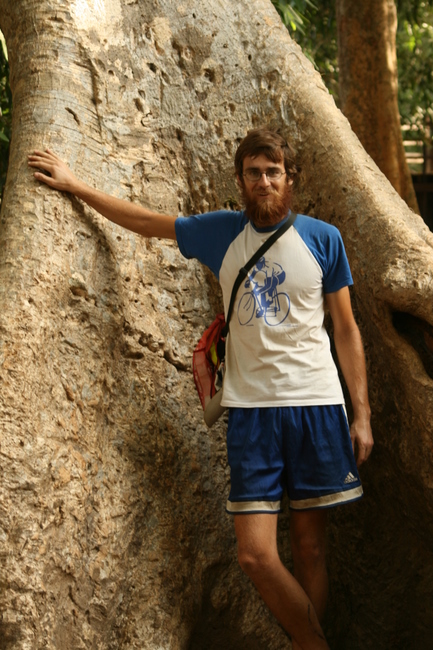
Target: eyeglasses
x,y
254,175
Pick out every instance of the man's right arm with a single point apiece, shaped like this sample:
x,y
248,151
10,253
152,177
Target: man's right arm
x,y
124,213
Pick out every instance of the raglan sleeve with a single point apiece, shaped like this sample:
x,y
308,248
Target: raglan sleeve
x,y
337,272
206,237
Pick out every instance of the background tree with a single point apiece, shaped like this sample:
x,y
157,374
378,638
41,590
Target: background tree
x,y
112,492
368,82
316,32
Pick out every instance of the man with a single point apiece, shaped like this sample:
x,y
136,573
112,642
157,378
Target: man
x,y
287,425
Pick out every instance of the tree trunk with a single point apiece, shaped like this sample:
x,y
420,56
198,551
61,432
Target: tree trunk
x,y
113,532
368,77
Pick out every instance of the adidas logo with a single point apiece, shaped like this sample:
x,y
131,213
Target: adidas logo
x,y
350,478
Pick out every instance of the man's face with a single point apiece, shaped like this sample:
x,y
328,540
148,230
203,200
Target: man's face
x,y
267,200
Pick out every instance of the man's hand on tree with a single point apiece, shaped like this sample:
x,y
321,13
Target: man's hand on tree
x,y
52,171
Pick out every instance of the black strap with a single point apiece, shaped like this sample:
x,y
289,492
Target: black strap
x,y
243,272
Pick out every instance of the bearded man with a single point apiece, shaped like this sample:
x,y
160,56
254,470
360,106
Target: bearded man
x,y
287,428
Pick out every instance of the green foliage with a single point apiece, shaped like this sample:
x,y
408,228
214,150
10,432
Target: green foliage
x,y
415,56
411,10
318,39
293,12
316,33
5,112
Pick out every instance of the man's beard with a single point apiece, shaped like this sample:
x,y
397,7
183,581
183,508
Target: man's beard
x,y
269,212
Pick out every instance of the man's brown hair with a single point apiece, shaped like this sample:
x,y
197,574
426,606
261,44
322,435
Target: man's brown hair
x,y
271,144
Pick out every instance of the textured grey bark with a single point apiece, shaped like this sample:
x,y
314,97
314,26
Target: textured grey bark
x,y
113,532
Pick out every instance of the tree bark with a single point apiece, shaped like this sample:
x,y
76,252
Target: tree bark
x,y
113,532
368,78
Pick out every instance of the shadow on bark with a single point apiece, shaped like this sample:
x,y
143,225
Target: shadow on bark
x,y
420,336
9,635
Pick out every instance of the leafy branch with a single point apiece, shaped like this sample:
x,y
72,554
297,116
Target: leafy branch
x,y
5,112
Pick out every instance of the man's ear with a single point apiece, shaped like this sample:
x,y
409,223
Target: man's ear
x,y
239,180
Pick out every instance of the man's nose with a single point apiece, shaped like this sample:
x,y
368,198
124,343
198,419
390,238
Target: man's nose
x,y
264,180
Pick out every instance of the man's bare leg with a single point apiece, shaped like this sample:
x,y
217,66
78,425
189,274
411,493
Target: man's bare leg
x,y
308,541
259,559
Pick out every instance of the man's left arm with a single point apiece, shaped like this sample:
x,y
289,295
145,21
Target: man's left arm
x,y
350,351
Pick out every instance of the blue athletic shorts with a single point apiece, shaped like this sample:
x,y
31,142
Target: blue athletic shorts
x,y
305,450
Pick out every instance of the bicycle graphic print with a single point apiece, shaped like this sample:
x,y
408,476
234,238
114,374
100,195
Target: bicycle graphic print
x,y
263,299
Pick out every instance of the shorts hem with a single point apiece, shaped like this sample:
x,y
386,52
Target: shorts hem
x,y
336,400
328,500
253,507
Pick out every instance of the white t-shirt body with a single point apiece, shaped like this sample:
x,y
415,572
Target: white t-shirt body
x,y
278,351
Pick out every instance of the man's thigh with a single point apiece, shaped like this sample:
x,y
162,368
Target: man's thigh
x,y
308,528
256,534
305,450
321,467
256,462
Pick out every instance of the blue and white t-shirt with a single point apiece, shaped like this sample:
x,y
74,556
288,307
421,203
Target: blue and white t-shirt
x,y
278,351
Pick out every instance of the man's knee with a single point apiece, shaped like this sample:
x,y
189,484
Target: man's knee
x,y
257,544
256,562
308,550
308,538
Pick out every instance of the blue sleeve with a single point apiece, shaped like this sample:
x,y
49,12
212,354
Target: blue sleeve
x,y
206,237
326,244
